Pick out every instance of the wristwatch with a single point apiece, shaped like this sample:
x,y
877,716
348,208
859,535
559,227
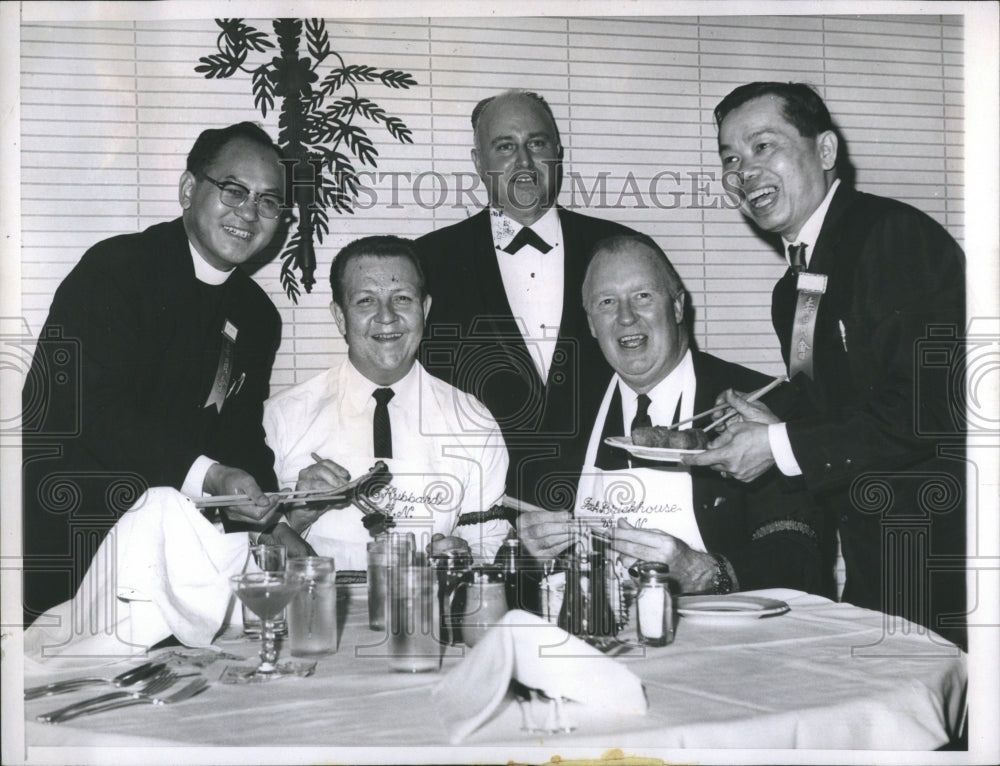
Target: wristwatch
x,y
722,582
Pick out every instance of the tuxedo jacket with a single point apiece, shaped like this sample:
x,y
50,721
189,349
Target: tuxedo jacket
x,y
116,398
878,431
472,341
771,533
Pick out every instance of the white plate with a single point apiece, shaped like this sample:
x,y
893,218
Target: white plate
x,y
733,606
659,454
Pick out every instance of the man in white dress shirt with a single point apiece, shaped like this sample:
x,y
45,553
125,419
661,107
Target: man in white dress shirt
x,y
445,452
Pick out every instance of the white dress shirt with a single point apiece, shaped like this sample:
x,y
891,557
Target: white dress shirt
x,y
664,396
777,433
445,444
533,282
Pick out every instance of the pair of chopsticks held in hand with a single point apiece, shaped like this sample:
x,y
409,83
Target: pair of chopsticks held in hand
x,y
754,396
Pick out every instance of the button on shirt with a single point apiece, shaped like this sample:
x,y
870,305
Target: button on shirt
x,y
777,433
440,436
533,282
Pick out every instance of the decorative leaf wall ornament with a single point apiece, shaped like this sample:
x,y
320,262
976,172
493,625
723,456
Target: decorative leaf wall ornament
x,y
322,141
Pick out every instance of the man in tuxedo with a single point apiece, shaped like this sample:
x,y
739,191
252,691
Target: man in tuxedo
x,y
153,366
716,534
506,324
872,304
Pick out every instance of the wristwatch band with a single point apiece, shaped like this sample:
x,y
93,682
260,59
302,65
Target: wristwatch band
x,y
722,581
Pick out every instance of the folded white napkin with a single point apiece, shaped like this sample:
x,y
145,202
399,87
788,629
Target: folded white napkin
x,y
162,570
539,655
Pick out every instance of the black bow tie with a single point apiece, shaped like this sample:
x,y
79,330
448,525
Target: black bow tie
x,y
527,236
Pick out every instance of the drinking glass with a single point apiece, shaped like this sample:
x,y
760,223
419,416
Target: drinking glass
x,y
269,558
266,594
312,615
413,643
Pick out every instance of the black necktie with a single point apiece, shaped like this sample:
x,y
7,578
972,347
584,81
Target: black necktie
x,y
797,256
381,429
527,236
642,419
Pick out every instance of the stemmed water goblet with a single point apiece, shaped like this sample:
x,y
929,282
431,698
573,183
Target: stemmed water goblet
x,y
266,594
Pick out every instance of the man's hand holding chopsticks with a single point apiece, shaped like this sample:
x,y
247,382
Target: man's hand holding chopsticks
x,y
261,511
743,450
324,474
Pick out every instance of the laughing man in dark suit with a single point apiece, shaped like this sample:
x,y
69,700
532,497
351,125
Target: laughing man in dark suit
x,y
506,324
872,432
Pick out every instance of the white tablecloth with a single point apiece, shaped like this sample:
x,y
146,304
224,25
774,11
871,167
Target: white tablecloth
x,y
823,676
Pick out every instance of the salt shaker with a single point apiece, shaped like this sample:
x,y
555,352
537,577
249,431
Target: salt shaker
x,y
656,602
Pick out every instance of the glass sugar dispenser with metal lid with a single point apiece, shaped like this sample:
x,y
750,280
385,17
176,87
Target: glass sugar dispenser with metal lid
x,y
655,603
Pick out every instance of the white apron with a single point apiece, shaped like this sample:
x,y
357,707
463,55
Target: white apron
x,y
648,498
420,500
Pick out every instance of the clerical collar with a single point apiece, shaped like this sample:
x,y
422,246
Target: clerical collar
x,y
204,272
506,228
810,230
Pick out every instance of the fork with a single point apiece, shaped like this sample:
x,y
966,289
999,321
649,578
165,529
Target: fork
x,y
143,672
158,683
142,698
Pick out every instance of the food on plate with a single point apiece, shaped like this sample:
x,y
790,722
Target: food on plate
x,y
666,438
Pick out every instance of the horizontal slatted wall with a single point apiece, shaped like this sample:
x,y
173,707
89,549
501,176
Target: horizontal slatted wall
x,y
110,109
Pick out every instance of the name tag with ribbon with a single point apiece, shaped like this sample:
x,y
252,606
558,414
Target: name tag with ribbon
x,y
224,370
811,288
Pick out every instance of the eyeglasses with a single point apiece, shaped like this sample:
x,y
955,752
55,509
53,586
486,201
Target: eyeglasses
x,y
235,195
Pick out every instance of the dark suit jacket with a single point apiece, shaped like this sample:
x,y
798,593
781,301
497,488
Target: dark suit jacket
x,y
769,532
878,431
115,399
471,341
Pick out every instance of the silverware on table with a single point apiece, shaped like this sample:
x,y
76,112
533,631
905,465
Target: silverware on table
x,y
156,686
136,698
128,678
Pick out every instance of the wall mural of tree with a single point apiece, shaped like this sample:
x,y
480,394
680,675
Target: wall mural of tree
x,y
321,141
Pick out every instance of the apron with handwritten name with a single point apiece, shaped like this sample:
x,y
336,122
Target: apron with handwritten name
x,y
419,499
648,498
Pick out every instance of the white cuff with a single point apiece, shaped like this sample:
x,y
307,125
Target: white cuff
x,y
194,482
781,448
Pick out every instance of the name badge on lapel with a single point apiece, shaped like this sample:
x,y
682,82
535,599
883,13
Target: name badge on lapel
x,y
224,371
811,288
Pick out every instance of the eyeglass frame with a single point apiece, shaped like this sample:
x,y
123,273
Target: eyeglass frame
x,y
225,186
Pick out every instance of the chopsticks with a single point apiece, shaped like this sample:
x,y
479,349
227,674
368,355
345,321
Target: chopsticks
x,y
521,506
289,495
284,496
720,407
751,398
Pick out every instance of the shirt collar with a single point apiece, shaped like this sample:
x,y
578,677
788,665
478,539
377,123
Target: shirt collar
x,y
358,389
810,231
506,228
665,394
204,272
